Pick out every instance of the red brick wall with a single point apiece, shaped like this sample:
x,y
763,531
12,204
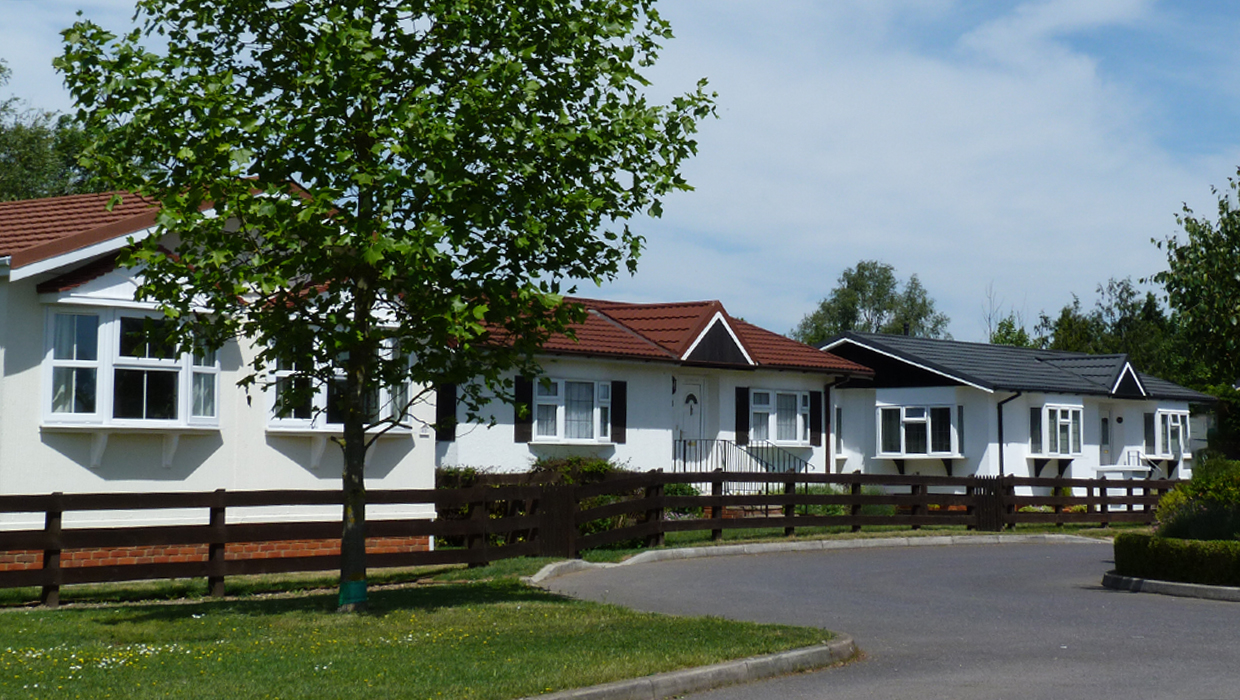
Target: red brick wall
x,y
21,560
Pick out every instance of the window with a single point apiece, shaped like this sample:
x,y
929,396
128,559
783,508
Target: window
x,y
919,430
1166,433
1055,430
572,410
113,368
322,408
784,414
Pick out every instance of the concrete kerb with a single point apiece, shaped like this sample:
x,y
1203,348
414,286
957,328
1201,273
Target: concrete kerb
x,y
840,649
561,568
1183,590
691,680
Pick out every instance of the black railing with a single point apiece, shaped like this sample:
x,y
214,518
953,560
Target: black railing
x,y
725,455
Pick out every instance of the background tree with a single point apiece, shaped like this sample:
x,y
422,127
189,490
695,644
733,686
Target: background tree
x,y
1123,320
38,151
1202,281
394,191
868,298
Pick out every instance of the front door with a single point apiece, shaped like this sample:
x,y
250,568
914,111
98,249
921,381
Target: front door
x,y
690,405
1104,438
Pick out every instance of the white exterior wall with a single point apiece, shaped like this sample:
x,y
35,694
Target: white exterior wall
x,y
241,454
981,430
652,416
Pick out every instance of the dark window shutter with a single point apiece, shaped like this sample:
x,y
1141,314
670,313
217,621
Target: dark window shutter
x,y
619,412
815,418
1151,442
523,423
445,413
742,415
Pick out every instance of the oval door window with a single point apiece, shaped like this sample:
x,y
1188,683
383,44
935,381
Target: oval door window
x,y
691,403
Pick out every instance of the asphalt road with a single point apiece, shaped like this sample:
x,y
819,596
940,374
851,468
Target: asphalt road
x,y
1027,621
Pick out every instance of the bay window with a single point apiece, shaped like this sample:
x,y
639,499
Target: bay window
x,y
1166,433
113,368
1055,430
322,407
918,430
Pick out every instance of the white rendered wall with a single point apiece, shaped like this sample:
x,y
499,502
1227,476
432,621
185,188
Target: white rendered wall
x,y
652,415
241,455
981,430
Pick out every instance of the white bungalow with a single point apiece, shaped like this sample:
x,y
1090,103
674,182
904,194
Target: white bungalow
x,y
660,386
943,406
87,406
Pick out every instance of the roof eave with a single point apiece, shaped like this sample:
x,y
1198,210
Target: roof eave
x,y
923,365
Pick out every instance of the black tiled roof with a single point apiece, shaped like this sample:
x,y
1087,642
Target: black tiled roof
x,y
1015,369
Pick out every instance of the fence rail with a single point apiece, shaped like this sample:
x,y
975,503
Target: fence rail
x,y
512,517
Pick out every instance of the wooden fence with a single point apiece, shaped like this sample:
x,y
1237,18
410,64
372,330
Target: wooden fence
x,y
512,516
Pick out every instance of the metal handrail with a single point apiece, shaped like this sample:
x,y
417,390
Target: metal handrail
x,y
705,455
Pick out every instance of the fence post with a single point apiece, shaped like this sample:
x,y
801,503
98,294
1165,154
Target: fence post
x,y
790,509
970,490
54,575
716,508
216,546
919,507
1060,491
854,510
1104,506
655,515
480,517
1008,489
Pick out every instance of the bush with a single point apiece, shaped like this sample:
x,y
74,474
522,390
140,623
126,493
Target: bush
x,y
1215,563
681,489
1205,508
579,470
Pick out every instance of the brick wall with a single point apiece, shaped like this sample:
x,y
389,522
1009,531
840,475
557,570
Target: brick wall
x,y
70,558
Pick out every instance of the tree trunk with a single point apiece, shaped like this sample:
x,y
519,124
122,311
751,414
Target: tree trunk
x,y
353,537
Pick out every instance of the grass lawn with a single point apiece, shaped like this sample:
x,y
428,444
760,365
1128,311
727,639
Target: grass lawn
x,y
447,639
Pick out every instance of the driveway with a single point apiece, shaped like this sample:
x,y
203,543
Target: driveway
x,y
1027,621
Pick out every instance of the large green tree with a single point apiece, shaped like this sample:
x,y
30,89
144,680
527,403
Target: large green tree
x,y
38,151
396,191
870,299
1124,320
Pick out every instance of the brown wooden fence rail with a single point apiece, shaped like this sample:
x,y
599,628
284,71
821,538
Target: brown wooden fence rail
x,y
498,521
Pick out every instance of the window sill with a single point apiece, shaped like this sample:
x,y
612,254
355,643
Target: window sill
x,y
290,431
100,432
919,456
573,443
1054,456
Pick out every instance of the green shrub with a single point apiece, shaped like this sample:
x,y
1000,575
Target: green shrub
x,y
830,509
1215,563
1205,508
681,489
579,470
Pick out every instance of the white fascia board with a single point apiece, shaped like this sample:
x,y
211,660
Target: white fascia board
x,y
717,318
79,255
1128,370
827,348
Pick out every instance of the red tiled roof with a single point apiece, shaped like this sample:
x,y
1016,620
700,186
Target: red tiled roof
x,y
37,229
666,332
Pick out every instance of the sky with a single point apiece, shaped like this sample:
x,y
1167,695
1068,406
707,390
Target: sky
x,y
1019,152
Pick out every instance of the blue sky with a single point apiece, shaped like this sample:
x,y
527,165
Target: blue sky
x,y
1034,148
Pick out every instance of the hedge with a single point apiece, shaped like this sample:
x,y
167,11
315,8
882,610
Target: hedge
x,y
1211,562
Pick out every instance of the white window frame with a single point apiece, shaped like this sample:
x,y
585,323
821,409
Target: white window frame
x,y
1074,420
108,360
917,414
769,431
1164,420
551,392
317,420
